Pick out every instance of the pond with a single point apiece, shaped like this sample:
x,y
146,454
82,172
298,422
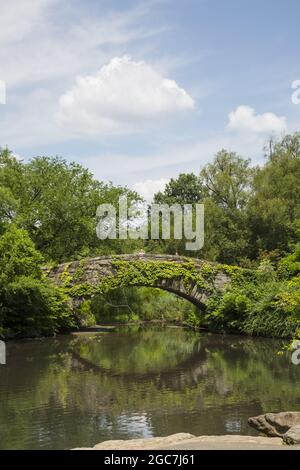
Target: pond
x,y
81,389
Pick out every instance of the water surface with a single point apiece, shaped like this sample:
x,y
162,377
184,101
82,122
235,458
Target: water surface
x,y
77,390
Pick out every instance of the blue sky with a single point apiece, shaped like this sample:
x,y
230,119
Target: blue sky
x,y
139,91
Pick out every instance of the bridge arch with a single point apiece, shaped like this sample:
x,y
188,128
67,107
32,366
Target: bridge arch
x,y
193,279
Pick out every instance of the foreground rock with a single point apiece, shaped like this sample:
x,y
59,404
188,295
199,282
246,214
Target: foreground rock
x,y
275,424
183,441
150,443
292,436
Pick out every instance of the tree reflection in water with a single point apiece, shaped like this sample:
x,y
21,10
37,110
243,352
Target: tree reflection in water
x,y
139,382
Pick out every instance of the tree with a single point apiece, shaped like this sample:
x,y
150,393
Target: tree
x,y
56,203
274,210
186,189
227,180
226,185
18,256
11,177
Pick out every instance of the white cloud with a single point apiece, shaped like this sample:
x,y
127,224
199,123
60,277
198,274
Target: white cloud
x,y
50,43
148,188
119,98
245,119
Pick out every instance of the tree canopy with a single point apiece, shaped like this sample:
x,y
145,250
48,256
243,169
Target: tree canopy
x,y
48,215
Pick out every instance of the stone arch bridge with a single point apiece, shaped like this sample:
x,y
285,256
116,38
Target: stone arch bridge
x,y
190,278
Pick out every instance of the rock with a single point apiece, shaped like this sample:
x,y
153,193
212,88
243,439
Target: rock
x,y
149,443
275,424
230,442
292,436
183,441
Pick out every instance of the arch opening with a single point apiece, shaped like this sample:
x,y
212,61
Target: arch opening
x,y
143,303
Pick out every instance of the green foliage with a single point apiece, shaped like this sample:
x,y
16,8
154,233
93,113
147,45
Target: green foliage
x,y
133,304
193,318
248,210
8,206
30,305
263,305
18,255
84,314
186,189
226,312
290,265
274,210
151,273
228,180
56,203
224,187
34,307
227,188
275,312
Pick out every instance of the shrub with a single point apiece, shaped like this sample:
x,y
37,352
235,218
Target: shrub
x,y
290,265
30,305
257,307
34,307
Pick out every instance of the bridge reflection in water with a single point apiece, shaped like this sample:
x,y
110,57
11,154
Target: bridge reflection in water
x,y
78,390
